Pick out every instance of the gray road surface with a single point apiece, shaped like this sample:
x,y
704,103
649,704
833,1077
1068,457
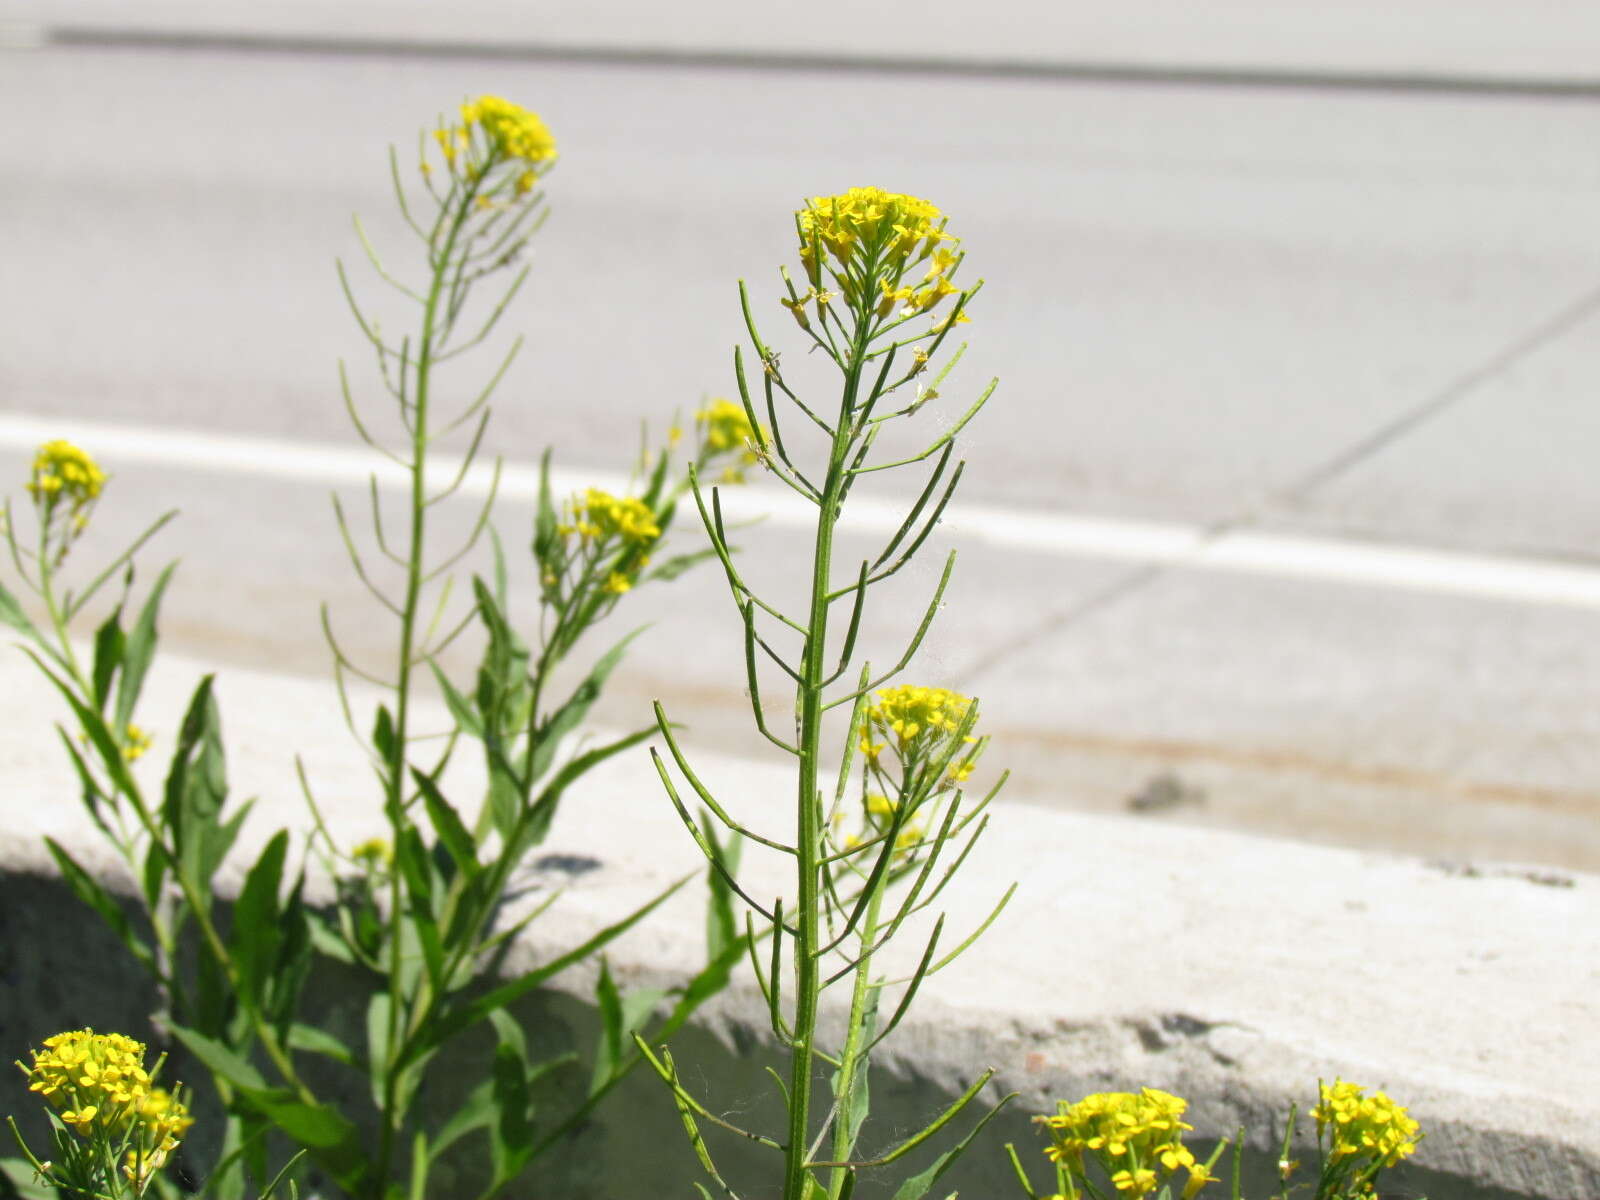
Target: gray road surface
x,y
1207,305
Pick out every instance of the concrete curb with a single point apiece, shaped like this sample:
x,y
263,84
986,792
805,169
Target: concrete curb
x,y
1233,970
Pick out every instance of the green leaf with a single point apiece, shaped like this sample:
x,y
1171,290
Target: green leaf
x,y
89,890
289,973
448,825
139,649
469,1013
257,935
679,563
722,919
546,540
568,716
511,1131
108,644
609,1050
196,789
11,614
460,707
219,1060
917,1186
378,1044
90,794
327,942
94,727
383,733
330,1138
583,763
312,1040
16,1179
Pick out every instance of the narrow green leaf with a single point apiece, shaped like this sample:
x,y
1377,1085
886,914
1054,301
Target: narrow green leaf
x,y
448,825
90,792
289,973
331,1139
11,614
917,1186
609,1048
257,935
571,772
679,563
470,1013
108,644
312,1040
383,733
90,892
511,1131
220,1060
568,716
378,1044
460,707
16,1179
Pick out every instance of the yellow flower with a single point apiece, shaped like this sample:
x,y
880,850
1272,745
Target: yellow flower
x,y
1372,1127
1137,1137
99,1084
616,583
725,428
600,516
912,713
63,471
136,743
1199,1176
372,853
512,131
868,238
1140,1181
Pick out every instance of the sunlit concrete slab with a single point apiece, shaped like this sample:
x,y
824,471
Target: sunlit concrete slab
x,y
1194,297
1230,969
1511,465
1429,723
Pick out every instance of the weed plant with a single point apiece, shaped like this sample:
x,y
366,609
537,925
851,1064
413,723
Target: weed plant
x,y
418,913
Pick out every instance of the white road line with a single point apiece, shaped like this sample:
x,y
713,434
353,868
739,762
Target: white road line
x,y
1416,568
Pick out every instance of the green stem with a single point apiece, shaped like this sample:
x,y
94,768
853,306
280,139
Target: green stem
x,y
813,671
396,766
851,1060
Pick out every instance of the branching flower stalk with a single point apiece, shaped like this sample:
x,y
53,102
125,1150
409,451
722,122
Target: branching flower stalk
x,y
874,263
417,913
589,553
486,209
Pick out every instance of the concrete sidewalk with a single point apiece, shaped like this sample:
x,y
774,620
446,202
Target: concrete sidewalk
x,y
1233,970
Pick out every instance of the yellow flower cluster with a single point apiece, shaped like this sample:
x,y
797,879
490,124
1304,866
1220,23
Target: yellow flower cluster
x,y
63,471
725,429
869,238
1373,1127
1136,1136
599,516
911,712
373,854
98,1082
136,743
511,134
511,129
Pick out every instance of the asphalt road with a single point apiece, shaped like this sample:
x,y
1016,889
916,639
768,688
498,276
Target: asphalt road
x,y
1369,315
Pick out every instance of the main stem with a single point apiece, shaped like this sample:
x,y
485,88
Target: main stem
x,y
396,766
851,1061
813,670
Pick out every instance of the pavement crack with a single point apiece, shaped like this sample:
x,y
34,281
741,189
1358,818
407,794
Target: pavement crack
x,y
1297,491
